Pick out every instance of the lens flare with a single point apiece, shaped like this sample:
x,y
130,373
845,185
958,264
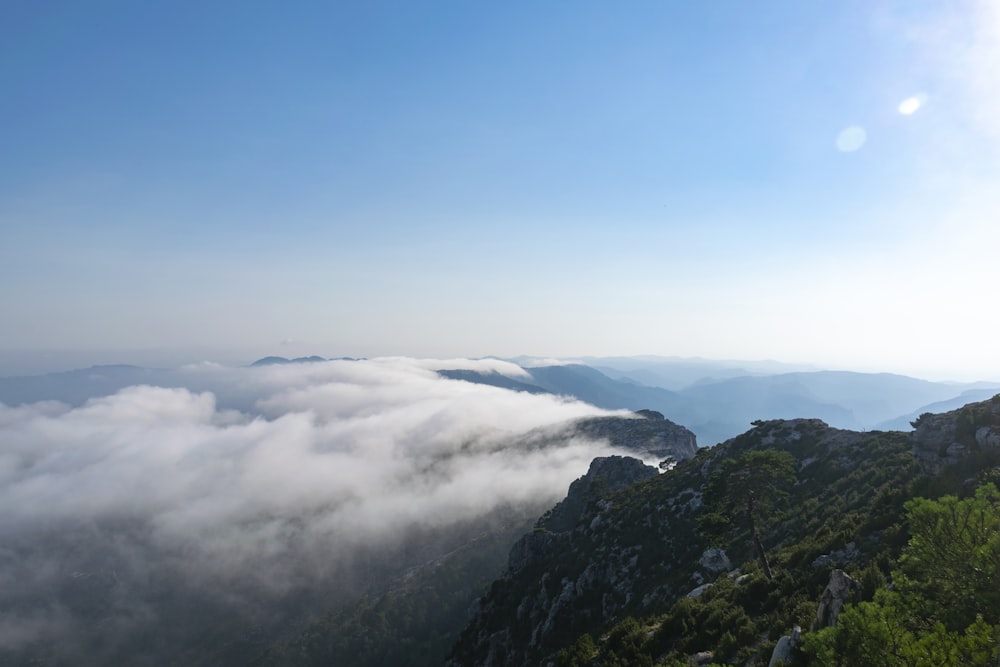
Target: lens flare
x,y
851,139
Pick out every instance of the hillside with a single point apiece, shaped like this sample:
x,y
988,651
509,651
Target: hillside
x,y
636,575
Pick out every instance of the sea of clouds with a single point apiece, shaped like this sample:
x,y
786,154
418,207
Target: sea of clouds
x,y
124,511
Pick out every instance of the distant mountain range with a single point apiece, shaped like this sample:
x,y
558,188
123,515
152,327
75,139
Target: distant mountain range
x,y
271,361
718,409
716,400
677,373
76,386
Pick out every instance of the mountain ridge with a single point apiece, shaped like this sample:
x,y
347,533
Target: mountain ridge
x,y
638,553
717,410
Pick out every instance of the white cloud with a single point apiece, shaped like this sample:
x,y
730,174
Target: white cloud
x,y
481,365
541,362
342,456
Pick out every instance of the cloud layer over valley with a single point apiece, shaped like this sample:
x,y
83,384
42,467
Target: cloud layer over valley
x,y
157,517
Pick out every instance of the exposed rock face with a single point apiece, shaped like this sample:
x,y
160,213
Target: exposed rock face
x,y
934,443
988,436
695,592
549,592
531,548
942,440
606,474
841,590
551,602
650,435
848,554
715,561
784,650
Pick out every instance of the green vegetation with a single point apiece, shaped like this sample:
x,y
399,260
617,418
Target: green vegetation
x,y
746,487
640,559
859,503
974,416
945,606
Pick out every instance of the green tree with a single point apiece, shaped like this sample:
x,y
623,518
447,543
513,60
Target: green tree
x,y
945,605
951,567
921,419
746,488
883,633
580,654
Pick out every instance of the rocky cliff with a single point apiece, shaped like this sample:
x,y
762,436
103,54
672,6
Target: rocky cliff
x,y
946,439
416,617
606,475
606,555
649,435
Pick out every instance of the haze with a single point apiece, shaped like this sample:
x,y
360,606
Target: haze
x,y
807,182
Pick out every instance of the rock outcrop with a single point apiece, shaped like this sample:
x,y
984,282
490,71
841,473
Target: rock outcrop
x,y
841,590
849,554
715,561
784,650
943,440
606,474
554,589
649,435
604,555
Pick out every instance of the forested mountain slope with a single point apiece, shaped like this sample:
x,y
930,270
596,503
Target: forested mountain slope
x,y
637,580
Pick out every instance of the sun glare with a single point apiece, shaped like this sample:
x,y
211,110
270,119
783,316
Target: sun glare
x,y
911,105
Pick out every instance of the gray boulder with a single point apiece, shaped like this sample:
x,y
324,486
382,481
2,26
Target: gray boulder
x,y
841,590
715,561
784,650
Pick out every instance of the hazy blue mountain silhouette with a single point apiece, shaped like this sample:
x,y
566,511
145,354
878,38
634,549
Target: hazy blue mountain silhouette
x,y
77,386
676,373
493,379
591,386
271,361
719,409
841,398
902,423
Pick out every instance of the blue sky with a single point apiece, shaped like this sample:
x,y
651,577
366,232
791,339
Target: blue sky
x,y
453,178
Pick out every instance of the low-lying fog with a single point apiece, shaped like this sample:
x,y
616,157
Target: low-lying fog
x,y
152,522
